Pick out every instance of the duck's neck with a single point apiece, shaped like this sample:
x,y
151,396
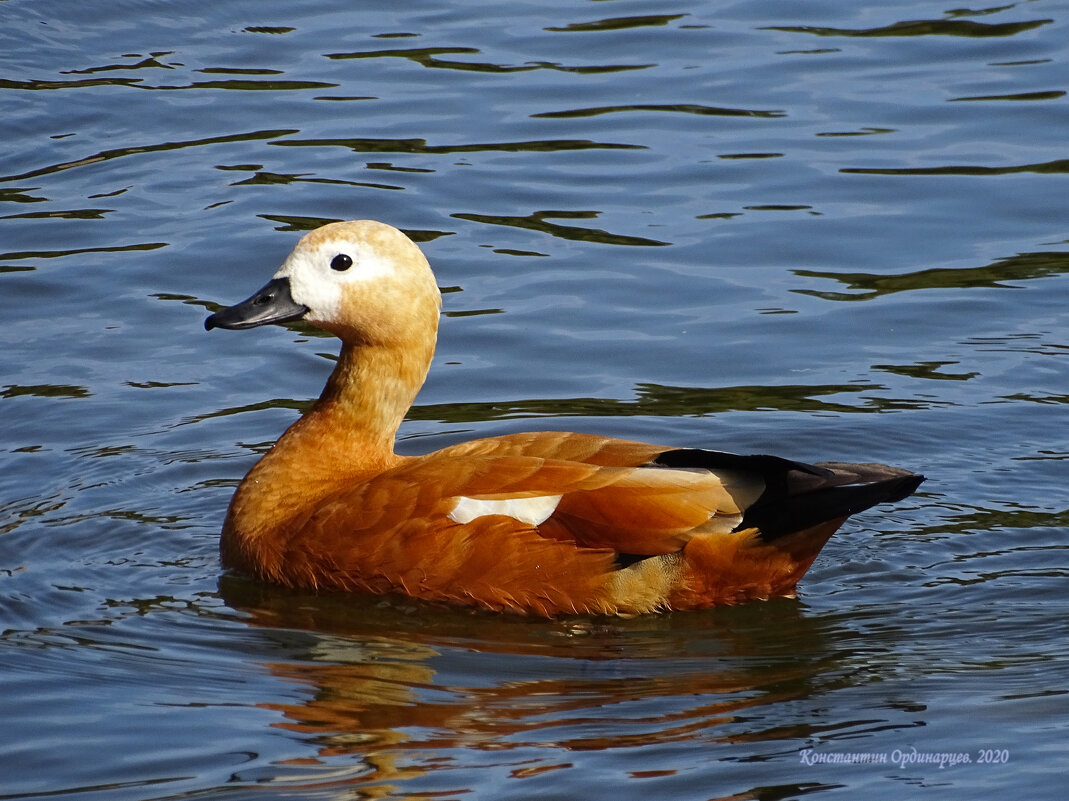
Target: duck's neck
x,y
346,436
355,421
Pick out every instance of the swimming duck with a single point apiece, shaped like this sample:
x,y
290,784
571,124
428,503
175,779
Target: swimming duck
x,y
544,523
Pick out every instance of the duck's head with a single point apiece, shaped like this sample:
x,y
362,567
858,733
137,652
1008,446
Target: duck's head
x,y
364,281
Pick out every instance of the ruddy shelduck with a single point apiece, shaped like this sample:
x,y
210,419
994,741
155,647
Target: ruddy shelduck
x,y
541,523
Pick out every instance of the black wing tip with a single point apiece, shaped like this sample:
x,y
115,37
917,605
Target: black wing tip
x,y
799,495
722,460
903,487
777,515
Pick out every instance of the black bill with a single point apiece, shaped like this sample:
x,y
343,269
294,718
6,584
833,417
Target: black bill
x,y
272,304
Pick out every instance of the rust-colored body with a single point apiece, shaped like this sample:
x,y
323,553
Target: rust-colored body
x,y
563,522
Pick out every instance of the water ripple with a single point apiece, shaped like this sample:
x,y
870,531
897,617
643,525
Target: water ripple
x,y
936,27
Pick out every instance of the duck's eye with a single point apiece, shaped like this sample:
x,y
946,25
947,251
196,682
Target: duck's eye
x,y
341,263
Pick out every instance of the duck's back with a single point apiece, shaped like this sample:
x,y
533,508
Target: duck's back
x,y
551,523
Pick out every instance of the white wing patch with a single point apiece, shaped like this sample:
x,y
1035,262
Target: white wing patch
x,y
532,510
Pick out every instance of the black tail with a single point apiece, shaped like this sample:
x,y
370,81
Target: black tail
x,y
799,495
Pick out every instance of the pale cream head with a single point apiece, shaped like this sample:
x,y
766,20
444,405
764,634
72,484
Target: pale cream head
x,y
364,281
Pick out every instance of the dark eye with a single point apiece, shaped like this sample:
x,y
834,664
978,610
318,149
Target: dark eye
x,y
341,263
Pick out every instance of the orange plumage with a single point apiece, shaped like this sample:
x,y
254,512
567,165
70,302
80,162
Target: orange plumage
x,y
541,523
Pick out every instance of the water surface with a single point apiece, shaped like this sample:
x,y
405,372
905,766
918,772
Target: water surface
x,y
828,231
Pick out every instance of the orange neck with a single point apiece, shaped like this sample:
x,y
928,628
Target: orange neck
x,y
346,436
353,424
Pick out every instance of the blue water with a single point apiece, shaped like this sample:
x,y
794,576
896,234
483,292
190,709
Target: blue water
x,y
826,230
